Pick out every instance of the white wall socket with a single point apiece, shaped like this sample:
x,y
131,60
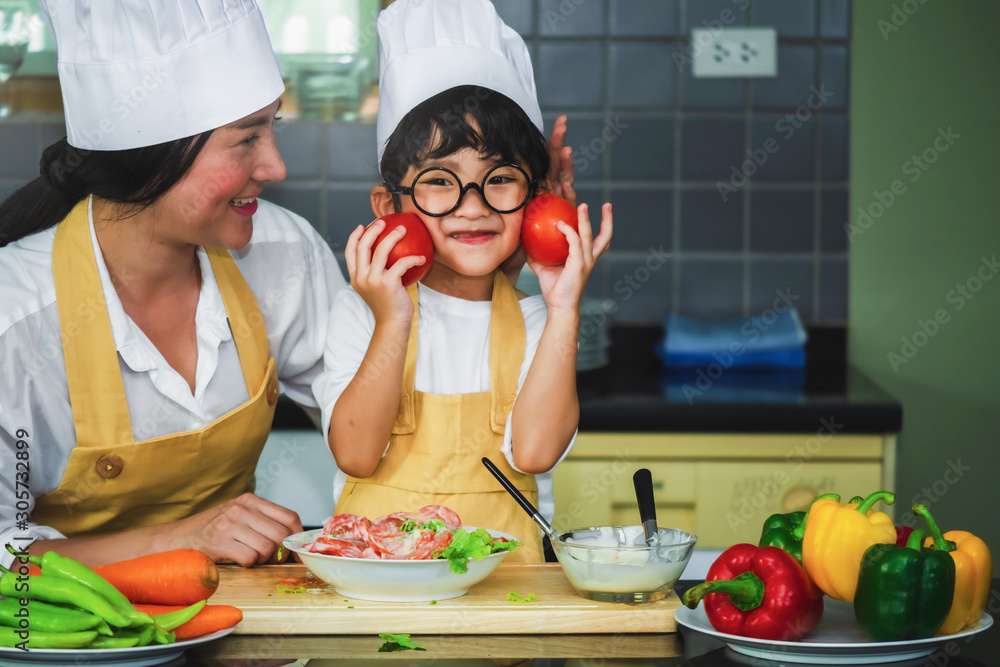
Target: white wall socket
x,y
735,52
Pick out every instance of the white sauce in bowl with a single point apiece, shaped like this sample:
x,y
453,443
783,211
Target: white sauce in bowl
x,y
605,560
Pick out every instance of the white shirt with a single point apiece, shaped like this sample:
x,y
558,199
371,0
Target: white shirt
x,y
453,345
290,270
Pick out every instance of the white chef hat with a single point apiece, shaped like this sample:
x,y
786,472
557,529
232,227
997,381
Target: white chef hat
x,y
139,72
429,46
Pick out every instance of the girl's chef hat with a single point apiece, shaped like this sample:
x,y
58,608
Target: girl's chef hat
x,y
139,72
429,46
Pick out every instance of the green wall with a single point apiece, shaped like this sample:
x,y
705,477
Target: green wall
x,y
939,70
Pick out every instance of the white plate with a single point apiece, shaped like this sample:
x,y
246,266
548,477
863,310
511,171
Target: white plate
x,y
138,656
837,639
393,580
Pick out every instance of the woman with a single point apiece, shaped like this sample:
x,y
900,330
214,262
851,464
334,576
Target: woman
x,y
151,307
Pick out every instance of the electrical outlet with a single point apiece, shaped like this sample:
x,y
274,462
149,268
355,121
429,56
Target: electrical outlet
x,y
735,52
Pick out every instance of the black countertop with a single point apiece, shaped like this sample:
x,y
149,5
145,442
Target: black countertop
x,y
634,393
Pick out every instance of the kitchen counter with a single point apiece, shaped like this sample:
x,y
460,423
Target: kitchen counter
x,y
684,649
634,393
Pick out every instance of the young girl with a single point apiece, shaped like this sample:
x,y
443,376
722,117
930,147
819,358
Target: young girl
x,y
434,370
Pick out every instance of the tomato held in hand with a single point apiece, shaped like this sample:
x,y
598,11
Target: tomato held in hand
x,y
540,236
416,241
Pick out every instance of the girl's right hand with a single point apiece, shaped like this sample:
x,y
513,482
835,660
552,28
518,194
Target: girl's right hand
x,y
381,288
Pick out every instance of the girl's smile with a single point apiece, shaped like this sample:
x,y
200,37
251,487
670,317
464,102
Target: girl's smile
x,y
473,240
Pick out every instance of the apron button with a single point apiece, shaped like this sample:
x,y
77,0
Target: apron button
x,y
109,466
272,391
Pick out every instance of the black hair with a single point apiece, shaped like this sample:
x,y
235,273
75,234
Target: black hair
x,y
465,117
137,176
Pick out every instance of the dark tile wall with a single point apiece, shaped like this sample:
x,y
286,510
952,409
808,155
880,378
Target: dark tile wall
x,y
670,151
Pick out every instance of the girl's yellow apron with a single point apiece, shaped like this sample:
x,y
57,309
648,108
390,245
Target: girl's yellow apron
x,y
438,441
113,483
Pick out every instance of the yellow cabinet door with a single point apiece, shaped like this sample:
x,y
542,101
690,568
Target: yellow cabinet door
x,y
600,493
722,502
734,499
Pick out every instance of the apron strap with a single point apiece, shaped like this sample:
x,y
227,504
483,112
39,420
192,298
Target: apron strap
x,y
94,378
245,319
406,421
507,348
93,374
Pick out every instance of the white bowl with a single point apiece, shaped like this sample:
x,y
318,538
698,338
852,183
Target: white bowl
x,y
614,563
393,580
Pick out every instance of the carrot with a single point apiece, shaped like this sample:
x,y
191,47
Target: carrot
x,y
212,618
177,577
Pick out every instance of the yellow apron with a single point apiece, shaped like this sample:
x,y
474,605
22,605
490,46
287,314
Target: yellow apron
x,y
113,483
438,441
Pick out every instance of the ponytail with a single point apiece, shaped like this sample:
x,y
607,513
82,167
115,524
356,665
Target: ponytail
x,y
137,176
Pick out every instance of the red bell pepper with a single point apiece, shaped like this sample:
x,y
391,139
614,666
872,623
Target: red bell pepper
x,y
903,535
759,592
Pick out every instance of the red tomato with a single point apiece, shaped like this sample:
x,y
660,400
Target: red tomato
x,y
416,241
542,240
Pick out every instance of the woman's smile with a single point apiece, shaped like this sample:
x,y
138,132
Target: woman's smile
x,y
244,205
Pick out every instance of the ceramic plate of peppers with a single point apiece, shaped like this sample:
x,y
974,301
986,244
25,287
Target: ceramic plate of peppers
x,y
837,639
840,584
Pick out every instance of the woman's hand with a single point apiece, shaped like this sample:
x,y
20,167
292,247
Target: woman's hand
x,y
381,288
562,286
559,180
247,530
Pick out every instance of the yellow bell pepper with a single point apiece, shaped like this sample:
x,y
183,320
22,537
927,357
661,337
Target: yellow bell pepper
x,y
973,572
837,536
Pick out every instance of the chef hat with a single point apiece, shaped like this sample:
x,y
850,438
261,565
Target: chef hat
x,y
137,73
429,46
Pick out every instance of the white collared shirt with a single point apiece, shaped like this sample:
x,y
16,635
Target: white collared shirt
x,y
290,270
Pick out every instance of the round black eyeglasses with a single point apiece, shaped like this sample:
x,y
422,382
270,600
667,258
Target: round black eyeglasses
x,y
437,191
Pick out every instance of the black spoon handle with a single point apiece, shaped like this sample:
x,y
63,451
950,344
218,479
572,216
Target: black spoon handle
x,y
521,500
643,481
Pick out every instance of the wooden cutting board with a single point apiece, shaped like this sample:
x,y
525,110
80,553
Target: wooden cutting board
x,y
270,607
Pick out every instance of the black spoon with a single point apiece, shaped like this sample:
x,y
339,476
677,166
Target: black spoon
x,y
643,481
521,500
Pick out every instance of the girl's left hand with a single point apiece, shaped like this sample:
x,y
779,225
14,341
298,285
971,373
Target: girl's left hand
x,y
562,286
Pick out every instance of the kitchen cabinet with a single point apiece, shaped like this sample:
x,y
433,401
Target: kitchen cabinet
x,y
719,486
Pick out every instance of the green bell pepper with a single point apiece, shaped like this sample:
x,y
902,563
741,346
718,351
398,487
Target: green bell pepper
x,y
785,531
903,592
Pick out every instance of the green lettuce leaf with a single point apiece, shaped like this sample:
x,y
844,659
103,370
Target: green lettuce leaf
x,y
477,544
397,643
514,596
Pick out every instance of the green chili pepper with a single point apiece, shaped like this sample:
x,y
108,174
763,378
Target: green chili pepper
x,y
161,636
60,591
53,564
175,619
47,617
114,642
126,638
145,635
12,638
